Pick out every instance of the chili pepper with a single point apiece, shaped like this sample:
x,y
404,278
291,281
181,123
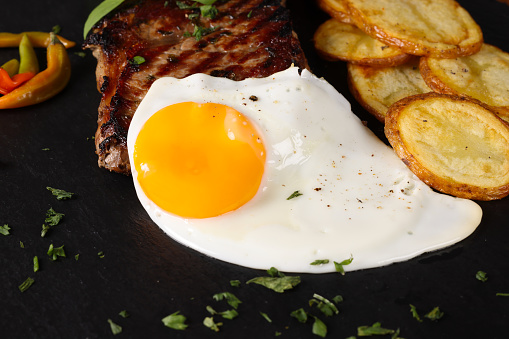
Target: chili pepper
x,y
8,84
44,84
12,67
38,39
27,58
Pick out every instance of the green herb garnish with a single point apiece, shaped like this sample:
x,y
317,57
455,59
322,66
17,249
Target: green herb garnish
x,y
319,328
60,194
435,314
235,283
277,281
123,314
98,13
175,321
100,254
413,310
36,264
300,315
137,60
200,31
76,257
320,262
26,284
5,229
52,217
375,329
230,298
324,305
502,294
266,317
210,323
480,275
115,329
55,252
294,195
56,29
21,244
45,229
338,299
208,11
339,266
229,314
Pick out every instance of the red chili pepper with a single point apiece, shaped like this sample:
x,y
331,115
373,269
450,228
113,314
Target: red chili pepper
x,y
8,84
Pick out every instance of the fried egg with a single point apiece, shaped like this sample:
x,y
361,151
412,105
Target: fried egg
x,y
278,172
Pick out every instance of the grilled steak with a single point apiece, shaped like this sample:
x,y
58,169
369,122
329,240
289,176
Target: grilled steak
x,y
245,38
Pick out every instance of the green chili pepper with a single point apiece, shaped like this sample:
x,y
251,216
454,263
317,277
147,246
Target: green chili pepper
x,y
12,67
27,58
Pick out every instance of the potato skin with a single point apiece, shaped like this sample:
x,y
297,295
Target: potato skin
x,y
386,20
444,184
445,80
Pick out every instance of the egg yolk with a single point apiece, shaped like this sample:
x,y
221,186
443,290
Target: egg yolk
x,y
199,160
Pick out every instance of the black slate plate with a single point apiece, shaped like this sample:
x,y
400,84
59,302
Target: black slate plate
x,y
149,275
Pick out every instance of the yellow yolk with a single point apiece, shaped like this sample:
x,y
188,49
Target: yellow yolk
x,y
199,160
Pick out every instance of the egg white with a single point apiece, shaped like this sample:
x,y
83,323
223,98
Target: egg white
x,y
358,198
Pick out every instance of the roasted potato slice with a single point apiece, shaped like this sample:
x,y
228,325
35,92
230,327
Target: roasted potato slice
x,y
454,144
336,9
483,76
439,28
378,88
335,40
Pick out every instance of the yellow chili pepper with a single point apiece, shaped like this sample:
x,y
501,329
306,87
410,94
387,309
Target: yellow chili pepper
x,y
27,57
45,84
12,67
38,39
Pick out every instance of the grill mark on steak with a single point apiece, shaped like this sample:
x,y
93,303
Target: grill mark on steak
x,y
248,38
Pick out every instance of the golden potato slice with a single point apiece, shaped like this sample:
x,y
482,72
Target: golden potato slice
x,y
378,88
454,144
336,9
335,40
483,76
439,28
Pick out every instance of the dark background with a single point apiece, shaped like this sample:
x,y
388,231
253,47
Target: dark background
x,y
151,276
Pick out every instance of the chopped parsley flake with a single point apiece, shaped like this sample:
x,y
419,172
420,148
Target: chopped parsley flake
x,y
175,321
266,317
100,254
60,194
375,329
229,314
230,298
320,262
481,276
277,281
502,294
76,257
115,329
137,60
413,310
36,264
300,315
319,328
208,11
339,266
435,314
5,229
21,244
338,299
52,217
210,323
55,252
235,283
294,195
123,314
26,284
324,305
